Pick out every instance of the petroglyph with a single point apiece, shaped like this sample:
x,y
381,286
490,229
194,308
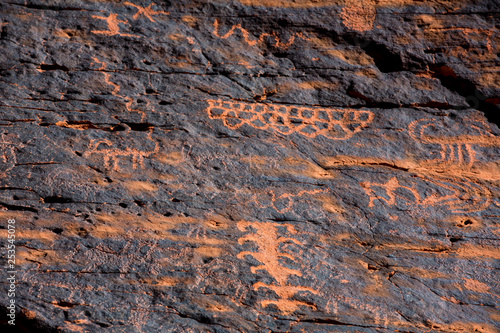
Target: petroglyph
x,y
116,88
335,124
148,11
112,155
281,203
8,156
252,41
113,26
459,195
485,37
270,245
359,15
63,177
456,150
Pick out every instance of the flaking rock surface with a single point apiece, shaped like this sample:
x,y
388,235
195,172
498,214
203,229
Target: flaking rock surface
x,y
251,165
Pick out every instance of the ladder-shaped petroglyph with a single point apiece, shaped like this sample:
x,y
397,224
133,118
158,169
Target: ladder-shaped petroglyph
x,y
270,253
459,195
335,124
252,41
112,155
453,151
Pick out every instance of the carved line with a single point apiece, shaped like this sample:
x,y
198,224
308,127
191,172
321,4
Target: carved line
x,y
116,88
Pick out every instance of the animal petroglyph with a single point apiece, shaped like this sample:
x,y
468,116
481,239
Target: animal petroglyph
x,y
459,195
252,41
335,124
453,150
112,155
269,253
359,15
113,26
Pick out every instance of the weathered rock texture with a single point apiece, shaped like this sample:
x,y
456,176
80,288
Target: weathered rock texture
x,y
252,165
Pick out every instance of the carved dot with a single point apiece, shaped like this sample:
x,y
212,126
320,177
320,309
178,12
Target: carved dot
x,y
122,204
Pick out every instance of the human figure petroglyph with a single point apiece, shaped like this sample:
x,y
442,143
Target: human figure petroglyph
x,y
113,26
252,41
453,150
269,242
335,124
148,11
459,195
112,156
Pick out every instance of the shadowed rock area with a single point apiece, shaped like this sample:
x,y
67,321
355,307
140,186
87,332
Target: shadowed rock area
x,y
251,165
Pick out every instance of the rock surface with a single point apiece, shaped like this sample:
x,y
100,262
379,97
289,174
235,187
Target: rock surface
x,y
251,165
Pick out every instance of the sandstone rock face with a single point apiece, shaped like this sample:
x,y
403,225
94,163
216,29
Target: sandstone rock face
x,y
251,166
